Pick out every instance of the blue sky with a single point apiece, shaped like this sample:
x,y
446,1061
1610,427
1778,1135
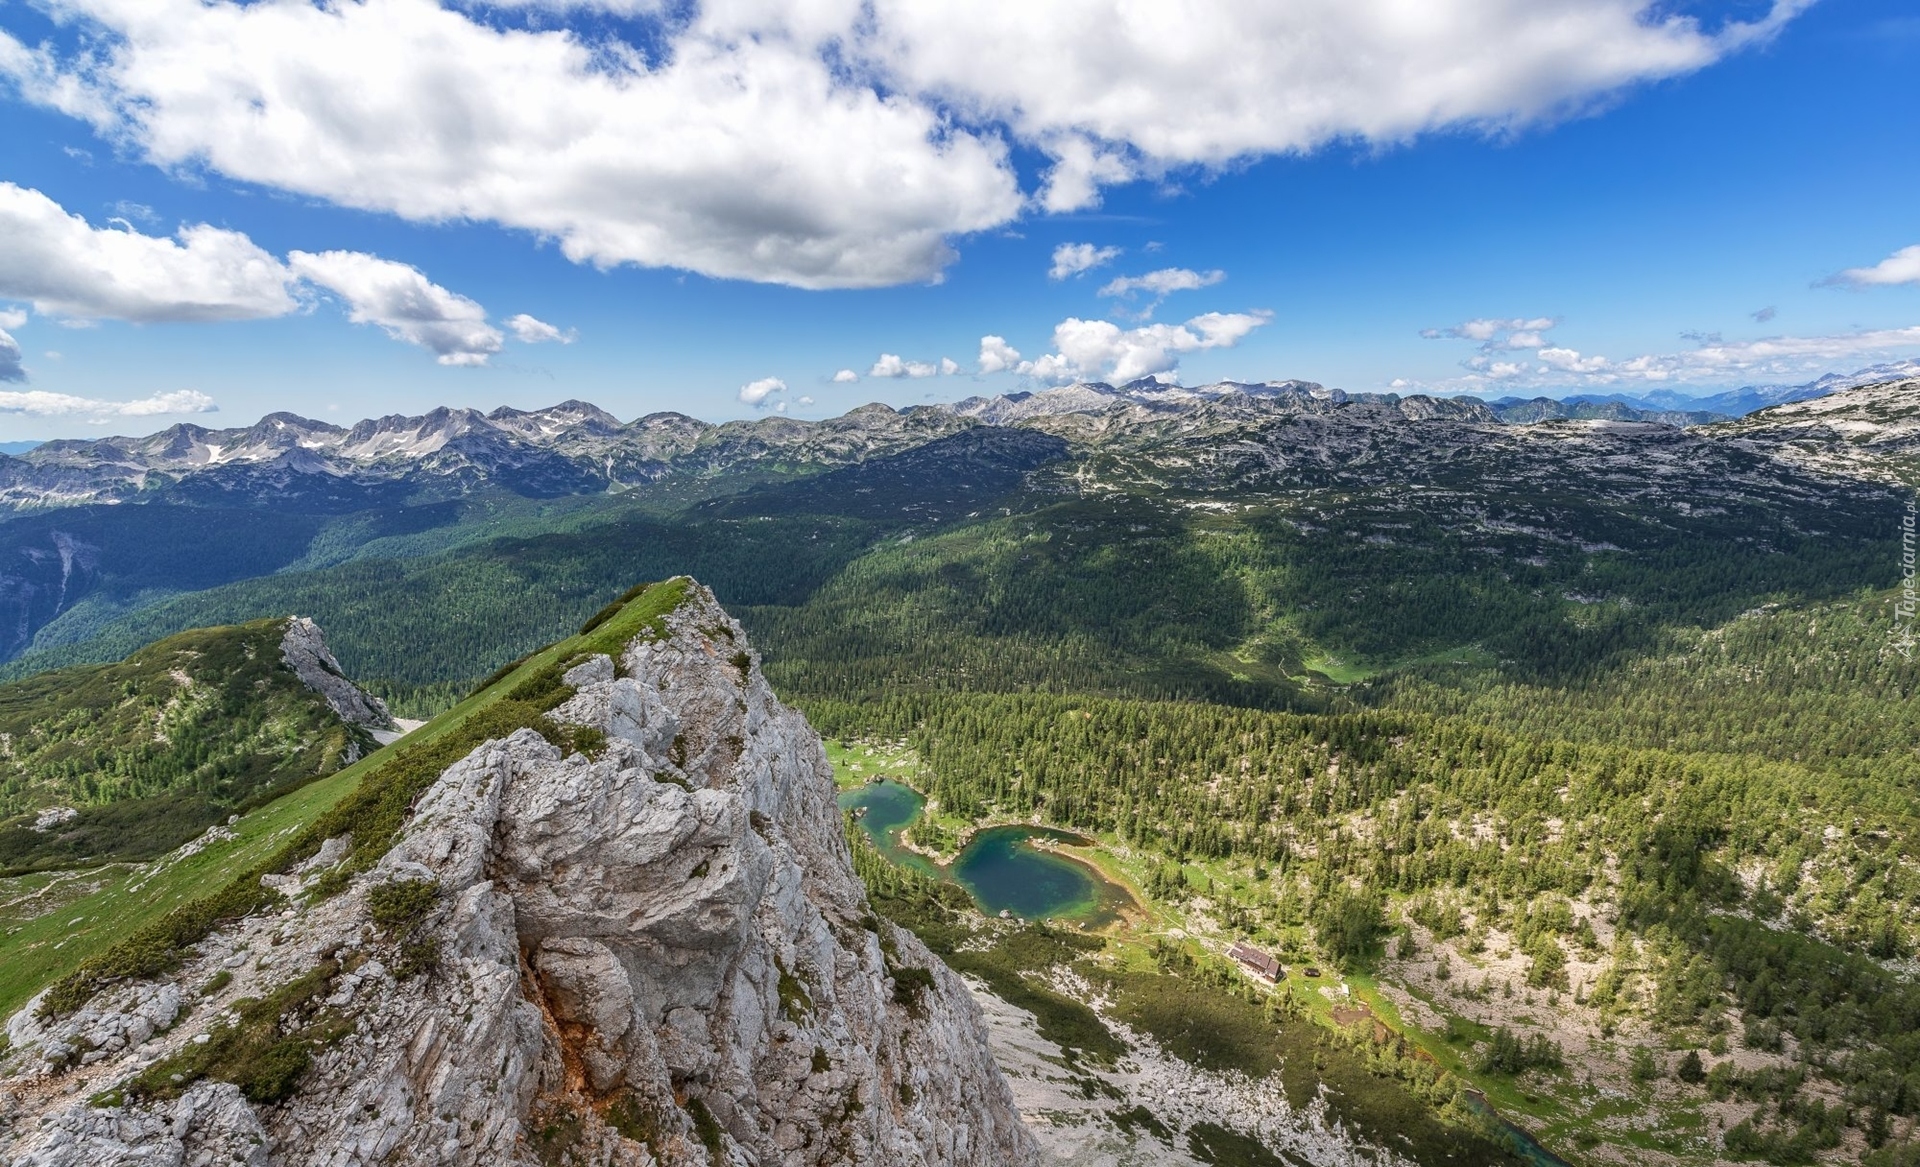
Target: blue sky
x,y
1645,203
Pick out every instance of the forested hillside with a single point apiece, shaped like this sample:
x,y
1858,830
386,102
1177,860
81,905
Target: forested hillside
x,y
129,760
1584,750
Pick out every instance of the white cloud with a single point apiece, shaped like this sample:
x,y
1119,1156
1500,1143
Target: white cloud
x,y
891,365
845,377
1714,360
404,303
804,402
1070,259
67,268
528,330
11,368
1522,332
836,143
755,393
948,366
739,153
1159,285
1163,282
13,317
996,355
1080,169
1902,267
1566,360
1142,87
1101,350
39,403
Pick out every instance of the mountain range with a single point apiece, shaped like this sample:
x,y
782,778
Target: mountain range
x,y
575,448
216,506
1562,771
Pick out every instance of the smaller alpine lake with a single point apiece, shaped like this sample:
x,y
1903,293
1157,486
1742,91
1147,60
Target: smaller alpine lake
x,y
1013,868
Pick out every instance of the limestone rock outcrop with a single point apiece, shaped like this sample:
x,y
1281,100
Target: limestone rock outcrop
x,y
305,651
654,951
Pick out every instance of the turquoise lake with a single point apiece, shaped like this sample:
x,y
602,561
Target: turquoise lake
x,y
1002,868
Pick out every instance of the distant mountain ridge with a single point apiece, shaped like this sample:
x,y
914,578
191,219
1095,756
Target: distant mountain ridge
x,y
293,495
570,448
577,448
1726,405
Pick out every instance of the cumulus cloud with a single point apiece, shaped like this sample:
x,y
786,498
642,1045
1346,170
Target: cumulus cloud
x,y
1081,167
739,151
68,268
1158,285
12,317
804,402
1070,259
11,368
996,355
845,377
65,267
1902,267
830,144
529,330
756,393
892,365
404,303
1114,90
39,403
1089,350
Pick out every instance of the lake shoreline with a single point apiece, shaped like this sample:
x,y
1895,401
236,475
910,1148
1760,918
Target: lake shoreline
x,y
1054,880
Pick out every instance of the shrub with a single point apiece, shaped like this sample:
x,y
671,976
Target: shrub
x,y
400,906
910,985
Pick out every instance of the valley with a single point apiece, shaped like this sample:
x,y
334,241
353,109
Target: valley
x,y
1566,768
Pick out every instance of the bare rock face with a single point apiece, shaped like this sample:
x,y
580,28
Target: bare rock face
x,y
305,652
659,955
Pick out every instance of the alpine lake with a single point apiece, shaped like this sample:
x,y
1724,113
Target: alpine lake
x,y
1015,869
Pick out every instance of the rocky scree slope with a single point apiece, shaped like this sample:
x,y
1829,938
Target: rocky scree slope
x,y
652,950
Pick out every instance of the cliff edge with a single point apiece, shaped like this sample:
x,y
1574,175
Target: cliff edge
x,y
646,947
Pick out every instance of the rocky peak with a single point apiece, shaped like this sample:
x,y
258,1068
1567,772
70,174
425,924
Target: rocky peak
x,y
305,651
652,951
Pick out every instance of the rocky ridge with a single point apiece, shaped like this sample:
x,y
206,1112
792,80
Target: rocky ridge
x,y
570,448
304,650
576,448
649,951
1872,431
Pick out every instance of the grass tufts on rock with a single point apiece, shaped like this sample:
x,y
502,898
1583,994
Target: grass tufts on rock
x,y
265,1051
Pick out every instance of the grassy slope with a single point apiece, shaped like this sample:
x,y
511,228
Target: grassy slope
x,y
36,952
157,747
